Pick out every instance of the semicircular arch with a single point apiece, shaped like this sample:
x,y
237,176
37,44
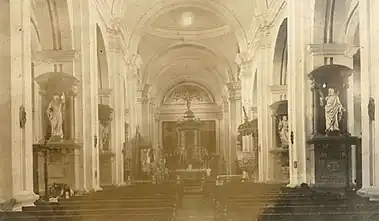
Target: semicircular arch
x,y
168,55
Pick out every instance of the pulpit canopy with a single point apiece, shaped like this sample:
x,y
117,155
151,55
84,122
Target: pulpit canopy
x,y
280,107
57,82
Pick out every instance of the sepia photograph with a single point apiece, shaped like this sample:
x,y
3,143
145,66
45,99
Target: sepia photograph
x,y
189,110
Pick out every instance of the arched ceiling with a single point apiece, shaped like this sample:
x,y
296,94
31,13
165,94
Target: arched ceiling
x,y
188,40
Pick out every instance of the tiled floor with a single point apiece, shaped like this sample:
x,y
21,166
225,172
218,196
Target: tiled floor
x,y
195,209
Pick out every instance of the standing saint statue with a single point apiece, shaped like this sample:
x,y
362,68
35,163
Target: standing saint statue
x,y
188,100
333,110
55,115
283,131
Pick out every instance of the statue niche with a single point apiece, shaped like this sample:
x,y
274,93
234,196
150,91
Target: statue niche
x,y
57,90
329,85
281,139
331,144
55,113
105,117
57,145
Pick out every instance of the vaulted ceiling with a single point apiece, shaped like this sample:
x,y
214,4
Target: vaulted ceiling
x,y
188,40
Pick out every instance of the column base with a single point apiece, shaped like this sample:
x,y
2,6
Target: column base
x,y
17,202
369,192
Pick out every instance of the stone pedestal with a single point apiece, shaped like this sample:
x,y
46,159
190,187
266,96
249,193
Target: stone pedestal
x,y
331,167
106,161
54,162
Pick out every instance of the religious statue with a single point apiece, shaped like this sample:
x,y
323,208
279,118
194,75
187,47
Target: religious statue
x,y
55,115
283,131
371,109
333,110
188,103
104,134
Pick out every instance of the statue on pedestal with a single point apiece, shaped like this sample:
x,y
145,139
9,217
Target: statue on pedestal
x,y
333,110
283,131
55,115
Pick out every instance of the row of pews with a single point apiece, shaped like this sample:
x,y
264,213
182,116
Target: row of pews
x,y
143,202
236,201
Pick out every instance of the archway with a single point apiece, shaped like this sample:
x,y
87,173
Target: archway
x,y
51,32
279,108
189,126
281,56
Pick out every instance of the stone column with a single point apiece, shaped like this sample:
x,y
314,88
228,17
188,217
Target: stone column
x,y
151,121
246,77
132,82
143,103
226,137
297,92
235,121
264,55
116,66
369,34
16,175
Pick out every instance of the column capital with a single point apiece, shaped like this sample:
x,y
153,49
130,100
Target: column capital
x,y
234,90
157,116
219,115
234,86
135,61
327,49
244,61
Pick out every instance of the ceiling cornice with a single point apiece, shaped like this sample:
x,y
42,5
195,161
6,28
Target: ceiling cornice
x,y
188,35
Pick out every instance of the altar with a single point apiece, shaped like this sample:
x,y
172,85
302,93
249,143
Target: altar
x,y
190,174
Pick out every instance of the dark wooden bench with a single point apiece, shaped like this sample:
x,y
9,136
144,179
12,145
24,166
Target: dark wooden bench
x,y
239,202
145,202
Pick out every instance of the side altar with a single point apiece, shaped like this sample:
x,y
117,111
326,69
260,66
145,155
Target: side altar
x,y
331,146
56,154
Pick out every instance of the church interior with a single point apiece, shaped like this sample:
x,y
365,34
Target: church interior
x,y
189,110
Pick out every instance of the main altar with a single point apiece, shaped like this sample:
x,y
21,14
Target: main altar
x,y
188,159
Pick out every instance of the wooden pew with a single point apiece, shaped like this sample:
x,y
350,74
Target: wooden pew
x,y
142,202
249,202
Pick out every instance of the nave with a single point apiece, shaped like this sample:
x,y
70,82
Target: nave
x,y
148,106
227,199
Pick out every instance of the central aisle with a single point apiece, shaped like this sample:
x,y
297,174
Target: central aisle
x,y
195,209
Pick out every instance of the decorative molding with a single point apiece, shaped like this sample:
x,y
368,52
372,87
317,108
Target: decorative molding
x,y
54,56
189,35
328,49
278,89
197,94
136,61
234,86
351,50
105,92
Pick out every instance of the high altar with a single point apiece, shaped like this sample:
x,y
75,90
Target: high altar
x,y
191,154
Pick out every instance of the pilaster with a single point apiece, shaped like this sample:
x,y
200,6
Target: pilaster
x,y
235,120
16,139
263,53
369,65
86,36
298,94
116,66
